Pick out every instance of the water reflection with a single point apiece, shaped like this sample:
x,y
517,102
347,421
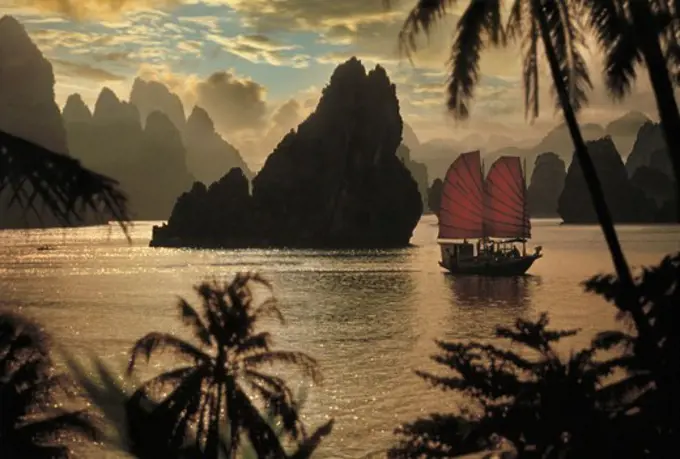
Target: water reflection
x,y
508,292
482,303
344,294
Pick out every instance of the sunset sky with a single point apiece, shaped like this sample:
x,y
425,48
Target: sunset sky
x,y
271,51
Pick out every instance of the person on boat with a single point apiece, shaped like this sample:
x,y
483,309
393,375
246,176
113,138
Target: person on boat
x,y
514,252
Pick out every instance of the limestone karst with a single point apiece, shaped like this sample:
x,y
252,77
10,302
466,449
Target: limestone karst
x,y
335,182
654,183
148,146
418,171
27,109
150,96
208,154
434,196
547,182
627,203
149,162
649,150
624,130
76,111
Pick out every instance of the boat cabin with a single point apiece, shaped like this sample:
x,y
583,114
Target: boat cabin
x,y
506,248
457,251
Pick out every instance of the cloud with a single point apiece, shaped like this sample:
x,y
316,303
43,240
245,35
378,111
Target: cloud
x,y
313,15
93,9
288,113
84,71
233,103
211,23
260,48
113,56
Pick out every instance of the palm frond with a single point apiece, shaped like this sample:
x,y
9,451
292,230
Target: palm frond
x,y
530,61
18,333
65,187
273,383
438,436
79,422
268,308
479,22
568,41
159,341
616,37
172,378
420,19
260,434
159,429
609,339
625,391
260,342
305,363
534,335
311,443
192,319
39,391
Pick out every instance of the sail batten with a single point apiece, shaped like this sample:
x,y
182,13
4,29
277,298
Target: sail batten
x,y
505,205
474,207
461,212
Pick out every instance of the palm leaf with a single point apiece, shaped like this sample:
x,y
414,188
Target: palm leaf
x,y
191,318
480,18
270,307
420,19
65,187
79,422
310,444
615,35
307,364
158,341
568,41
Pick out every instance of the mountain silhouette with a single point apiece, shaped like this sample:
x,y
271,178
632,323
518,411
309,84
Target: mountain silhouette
x,y
336,181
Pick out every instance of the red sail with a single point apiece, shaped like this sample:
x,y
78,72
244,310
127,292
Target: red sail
x,y
462,205
505,206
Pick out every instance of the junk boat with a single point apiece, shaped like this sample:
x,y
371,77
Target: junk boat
x,y
474,208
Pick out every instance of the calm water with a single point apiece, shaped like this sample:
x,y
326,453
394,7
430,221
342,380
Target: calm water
x,y
370,318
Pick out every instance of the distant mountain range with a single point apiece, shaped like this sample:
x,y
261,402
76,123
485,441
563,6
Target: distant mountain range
x,y
146,143
438,154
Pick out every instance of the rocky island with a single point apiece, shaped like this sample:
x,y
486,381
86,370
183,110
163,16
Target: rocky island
x,y
547,183
335,182
627,203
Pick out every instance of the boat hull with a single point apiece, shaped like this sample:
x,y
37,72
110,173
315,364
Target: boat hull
x,y
491,267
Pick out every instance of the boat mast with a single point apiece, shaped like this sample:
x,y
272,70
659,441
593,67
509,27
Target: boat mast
x,y
483,239
524,206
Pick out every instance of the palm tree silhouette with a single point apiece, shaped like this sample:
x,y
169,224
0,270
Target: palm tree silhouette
x,y
224,369
656,400
632,32
29,171
554,25
544,406
29,386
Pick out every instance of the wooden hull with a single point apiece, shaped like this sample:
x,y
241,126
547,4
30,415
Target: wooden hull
x,y
491,267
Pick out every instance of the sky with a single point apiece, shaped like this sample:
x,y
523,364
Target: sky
x,y
259,57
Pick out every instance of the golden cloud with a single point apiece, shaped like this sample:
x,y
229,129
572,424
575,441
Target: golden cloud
x,y
84,71
93,9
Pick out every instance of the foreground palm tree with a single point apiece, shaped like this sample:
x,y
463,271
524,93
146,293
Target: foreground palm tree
x,y
223,370
544,406
30,172
632,32
552,24
29,386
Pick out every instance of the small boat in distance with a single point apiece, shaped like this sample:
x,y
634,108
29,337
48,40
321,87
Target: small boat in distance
x,y
476,208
